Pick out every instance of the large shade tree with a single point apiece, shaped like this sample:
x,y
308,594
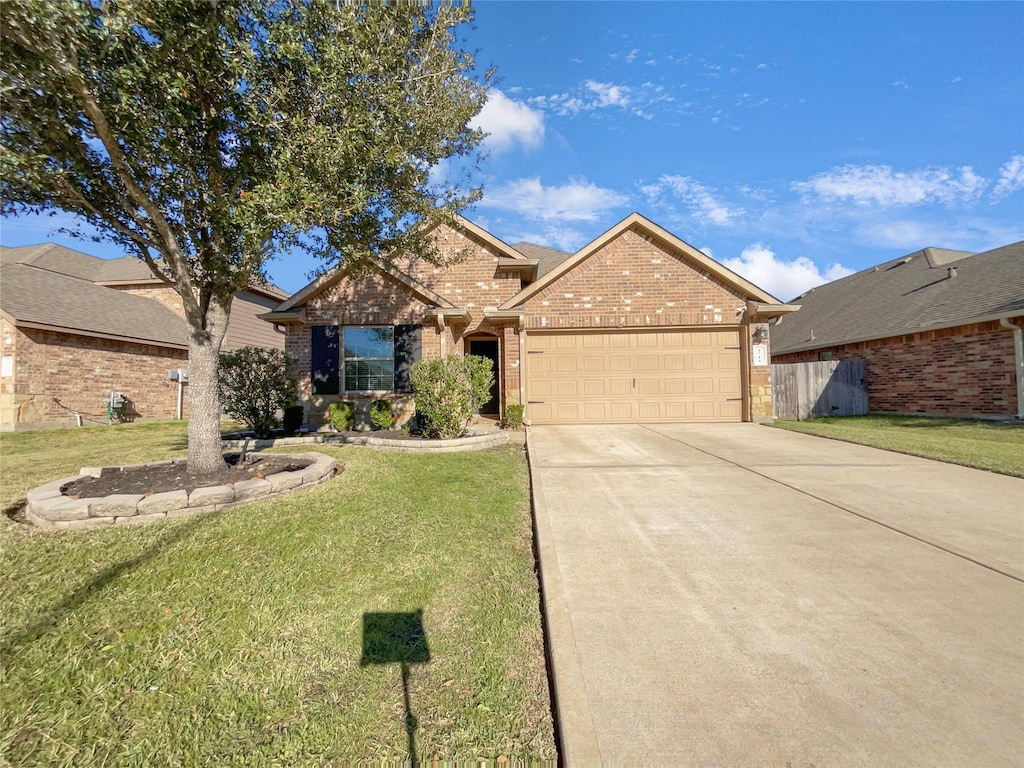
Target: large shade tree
x,y
207,136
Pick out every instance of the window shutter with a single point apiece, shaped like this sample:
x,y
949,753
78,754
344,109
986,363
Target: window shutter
x,y
408,348
324,354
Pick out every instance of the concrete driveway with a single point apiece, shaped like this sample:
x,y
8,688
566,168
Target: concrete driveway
x,y
736,595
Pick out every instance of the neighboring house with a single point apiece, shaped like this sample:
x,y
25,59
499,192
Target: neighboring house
x,y
637,326
75,328
939,331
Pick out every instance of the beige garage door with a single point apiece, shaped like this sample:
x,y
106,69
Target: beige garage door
x,y
632,377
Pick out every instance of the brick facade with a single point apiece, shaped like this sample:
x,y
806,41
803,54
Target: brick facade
x,y
472,281
634,280
963,371
54,369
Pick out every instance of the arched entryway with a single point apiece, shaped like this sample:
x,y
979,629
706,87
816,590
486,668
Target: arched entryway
x,y
486,345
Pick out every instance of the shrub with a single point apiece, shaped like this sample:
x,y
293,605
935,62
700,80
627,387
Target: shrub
x,y
449,391
342,415
254,384
380,414
513,417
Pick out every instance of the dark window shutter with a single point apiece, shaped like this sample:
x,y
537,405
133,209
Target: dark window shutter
x,y
324,359
408,348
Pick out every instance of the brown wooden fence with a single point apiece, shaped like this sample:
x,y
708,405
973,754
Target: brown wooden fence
x,y
825,388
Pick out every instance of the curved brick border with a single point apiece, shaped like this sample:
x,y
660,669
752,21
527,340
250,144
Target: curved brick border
x,y
47,507
470,443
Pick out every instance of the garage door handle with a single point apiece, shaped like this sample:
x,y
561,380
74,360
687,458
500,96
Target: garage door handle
x,y
534,402
634,383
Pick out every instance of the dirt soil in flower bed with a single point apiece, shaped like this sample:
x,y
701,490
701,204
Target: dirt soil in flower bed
x,y
175,476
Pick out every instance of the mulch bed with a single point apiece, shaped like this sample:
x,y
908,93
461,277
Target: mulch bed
x,y
175,476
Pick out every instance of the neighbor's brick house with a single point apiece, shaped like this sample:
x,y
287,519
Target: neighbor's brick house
x,y
74,328
939,331
637,326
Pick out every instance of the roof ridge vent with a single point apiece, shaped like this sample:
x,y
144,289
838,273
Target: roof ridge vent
x,y
901,262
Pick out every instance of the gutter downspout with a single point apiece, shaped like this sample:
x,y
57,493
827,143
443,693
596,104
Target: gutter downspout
x,y
1018,362
179,411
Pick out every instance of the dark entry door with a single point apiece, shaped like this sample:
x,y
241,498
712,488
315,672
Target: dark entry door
x,y
488,348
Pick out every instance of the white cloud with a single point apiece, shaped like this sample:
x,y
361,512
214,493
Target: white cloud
x,y
631,56
784,279
608,94
554,236
509,122
1011,177
575,201
881,185
700,201
974,234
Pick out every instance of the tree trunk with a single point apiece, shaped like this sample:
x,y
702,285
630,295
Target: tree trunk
x,y
204,444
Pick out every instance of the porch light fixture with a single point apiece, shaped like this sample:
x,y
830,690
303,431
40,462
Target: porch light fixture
x,y
760,334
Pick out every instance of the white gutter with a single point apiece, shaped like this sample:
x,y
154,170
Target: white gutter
x,y
1018,361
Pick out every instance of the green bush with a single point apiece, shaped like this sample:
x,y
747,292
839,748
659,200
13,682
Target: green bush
x,y
380,414
449,392
254,384
342,415
513,417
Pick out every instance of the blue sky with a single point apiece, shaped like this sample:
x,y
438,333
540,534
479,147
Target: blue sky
x,y
793,142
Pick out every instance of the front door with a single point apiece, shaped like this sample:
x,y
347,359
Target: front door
x,y
488,347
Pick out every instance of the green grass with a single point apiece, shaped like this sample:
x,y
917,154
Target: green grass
x,y
237,638
993,446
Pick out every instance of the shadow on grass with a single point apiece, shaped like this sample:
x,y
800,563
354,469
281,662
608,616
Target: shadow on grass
x,y
397,638
91,589
882,421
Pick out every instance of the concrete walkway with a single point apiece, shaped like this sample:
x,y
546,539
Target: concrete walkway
x,y
738,595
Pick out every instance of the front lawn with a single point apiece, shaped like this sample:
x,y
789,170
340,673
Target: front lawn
x,y
238,638
994,446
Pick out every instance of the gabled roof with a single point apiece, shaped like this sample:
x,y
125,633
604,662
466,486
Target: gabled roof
x,y
547,258
286,311
928,289
33,297
127,270
648,227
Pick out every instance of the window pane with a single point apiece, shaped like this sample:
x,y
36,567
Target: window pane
x,y
369,358
369,342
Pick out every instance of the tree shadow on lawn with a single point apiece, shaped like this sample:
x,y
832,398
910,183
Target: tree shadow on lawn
x,y
51,617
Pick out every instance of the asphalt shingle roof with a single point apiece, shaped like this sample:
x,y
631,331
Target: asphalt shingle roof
x,y
547,258
906,295
34,295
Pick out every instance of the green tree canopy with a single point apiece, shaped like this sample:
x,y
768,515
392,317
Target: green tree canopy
x,y
206,136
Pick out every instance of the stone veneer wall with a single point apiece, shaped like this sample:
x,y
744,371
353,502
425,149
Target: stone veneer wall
x,y
963,371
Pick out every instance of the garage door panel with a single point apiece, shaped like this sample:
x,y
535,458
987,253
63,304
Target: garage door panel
x,y
621,387
633,376
621,411
676,386
649,410
567,388
648,386
674,362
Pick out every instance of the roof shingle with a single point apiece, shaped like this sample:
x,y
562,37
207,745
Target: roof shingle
x,y
906,295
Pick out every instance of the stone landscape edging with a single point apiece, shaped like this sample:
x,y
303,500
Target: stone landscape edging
x,y
47,507
468,443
